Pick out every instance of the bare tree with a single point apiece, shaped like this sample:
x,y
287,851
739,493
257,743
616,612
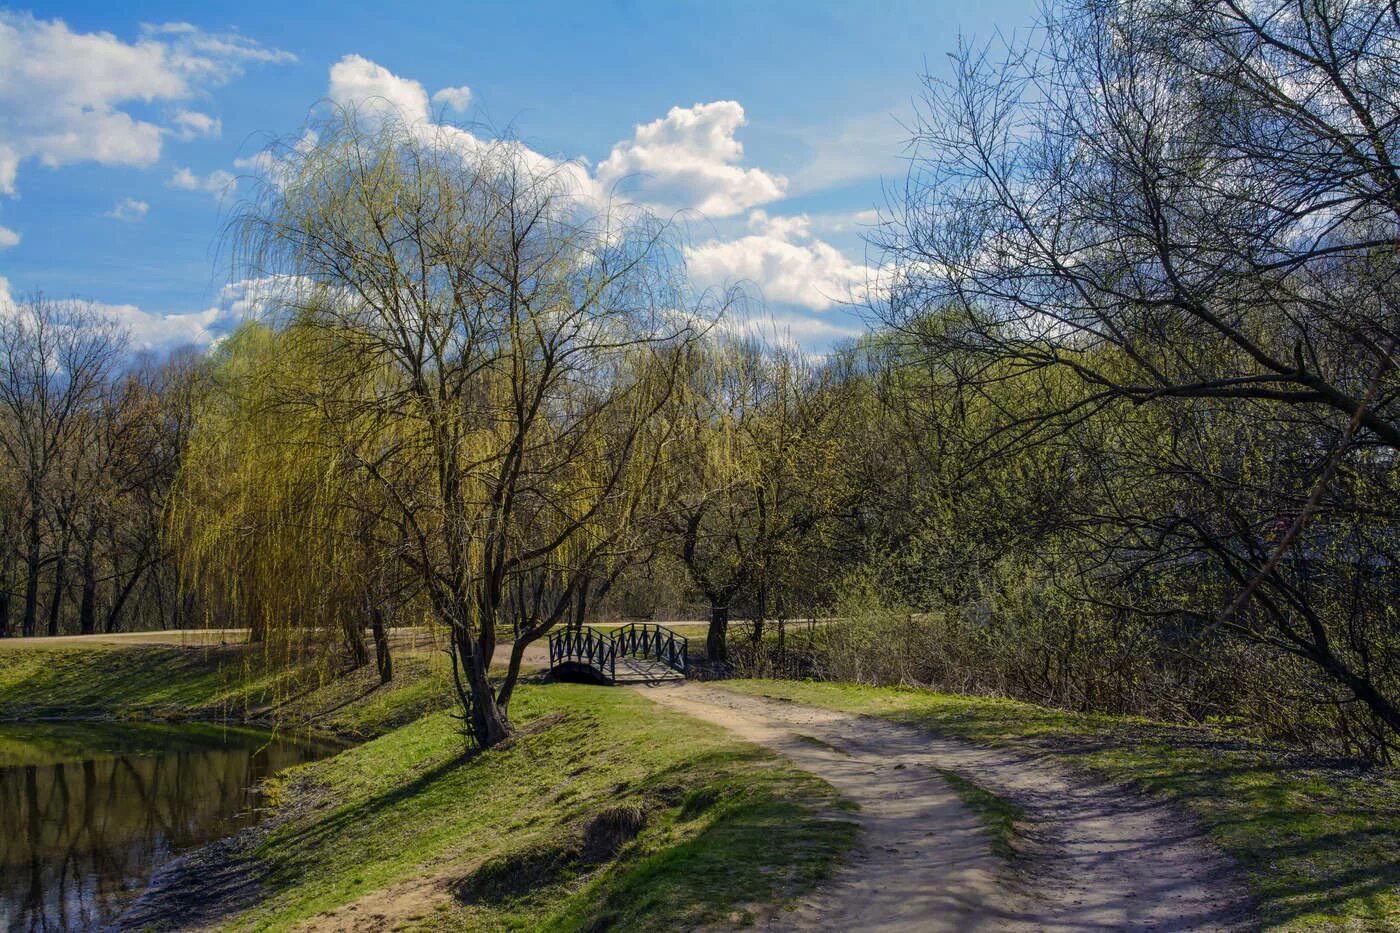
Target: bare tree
x,y
55,359
1191,203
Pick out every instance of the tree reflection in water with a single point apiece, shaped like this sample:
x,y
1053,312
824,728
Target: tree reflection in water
x,y
88,812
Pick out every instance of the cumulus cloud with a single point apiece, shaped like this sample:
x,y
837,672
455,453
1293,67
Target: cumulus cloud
x,y
8,238
690,159
360,84
218,183
457,98
374,92
237,302
191,124
783,260
798,226
128,209
792,329
63,94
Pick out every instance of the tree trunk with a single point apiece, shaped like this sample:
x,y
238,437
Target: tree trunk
x,y
760,615
31,584
115,613
355,643
87,606
383,660
581,605
716,640
486,719
6,602
60,581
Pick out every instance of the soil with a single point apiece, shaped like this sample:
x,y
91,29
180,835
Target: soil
x,y
203,888
1095,856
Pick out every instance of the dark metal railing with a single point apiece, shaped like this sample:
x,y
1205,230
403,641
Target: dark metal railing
x,y
600,650
587,645
648,640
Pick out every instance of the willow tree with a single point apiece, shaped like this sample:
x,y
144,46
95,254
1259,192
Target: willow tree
x,y
272,529
521,345
759,470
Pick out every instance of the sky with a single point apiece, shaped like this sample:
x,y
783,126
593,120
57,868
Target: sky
x,y
772,130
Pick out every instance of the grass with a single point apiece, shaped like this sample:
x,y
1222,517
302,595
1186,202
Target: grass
x,y
48,743
606,811
217,684
502,840
1318,841
998,815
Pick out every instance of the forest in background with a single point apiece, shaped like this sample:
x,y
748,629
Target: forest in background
x,y
1121,437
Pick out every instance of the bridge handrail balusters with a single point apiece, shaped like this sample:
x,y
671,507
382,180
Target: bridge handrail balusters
x,y
600,649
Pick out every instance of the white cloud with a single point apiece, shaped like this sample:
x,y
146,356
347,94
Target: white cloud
x,y
788,329
237,302
5,299
128,209
784,261
783,228
8,238
373,90
375,93
218,183
192,124
457,98
62,93
690,159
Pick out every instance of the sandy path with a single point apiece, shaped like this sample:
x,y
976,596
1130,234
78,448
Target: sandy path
x,y
1106,857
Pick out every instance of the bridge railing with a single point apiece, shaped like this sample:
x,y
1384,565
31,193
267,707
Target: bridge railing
x,y
600,650
648,640
587,644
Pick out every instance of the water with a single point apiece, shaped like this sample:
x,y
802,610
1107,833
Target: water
x,y
89,811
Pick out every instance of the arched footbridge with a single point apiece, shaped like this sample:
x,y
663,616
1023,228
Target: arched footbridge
x,y
635,653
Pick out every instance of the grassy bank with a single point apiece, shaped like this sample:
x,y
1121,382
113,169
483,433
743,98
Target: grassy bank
x,y
605,812
1319,841
217,683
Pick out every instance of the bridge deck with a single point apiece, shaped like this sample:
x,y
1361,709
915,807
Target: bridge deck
x,y
644,671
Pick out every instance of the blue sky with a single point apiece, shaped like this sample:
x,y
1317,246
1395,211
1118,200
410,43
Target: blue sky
x,y
125,129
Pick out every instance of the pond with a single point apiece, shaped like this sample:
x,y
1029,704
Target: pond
x,y
88,811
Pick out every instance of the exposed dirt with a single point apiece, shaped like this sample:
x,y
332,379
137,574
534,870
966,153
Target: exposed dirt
x,y
203,888
385,909
1104,857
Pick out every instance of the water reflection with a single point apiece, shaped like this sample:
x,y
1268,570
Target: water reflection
x,y
87,812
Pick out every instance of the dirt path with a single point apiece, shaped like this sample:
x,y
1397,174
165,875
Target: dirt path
x,y
1105,857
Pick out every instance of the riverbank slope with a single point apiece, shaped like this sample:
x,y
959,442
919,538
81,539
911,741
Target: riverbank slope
x,y
603,812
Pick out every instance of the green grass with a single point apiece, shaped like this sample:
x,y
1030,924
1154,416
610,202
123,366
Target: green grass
x,y
47,743
501,840
998,815
406,824
1319,842
228,683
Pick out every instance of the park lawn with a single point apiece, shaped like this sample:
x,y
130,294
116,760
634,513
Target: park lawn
x,y
1318,841
433,839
